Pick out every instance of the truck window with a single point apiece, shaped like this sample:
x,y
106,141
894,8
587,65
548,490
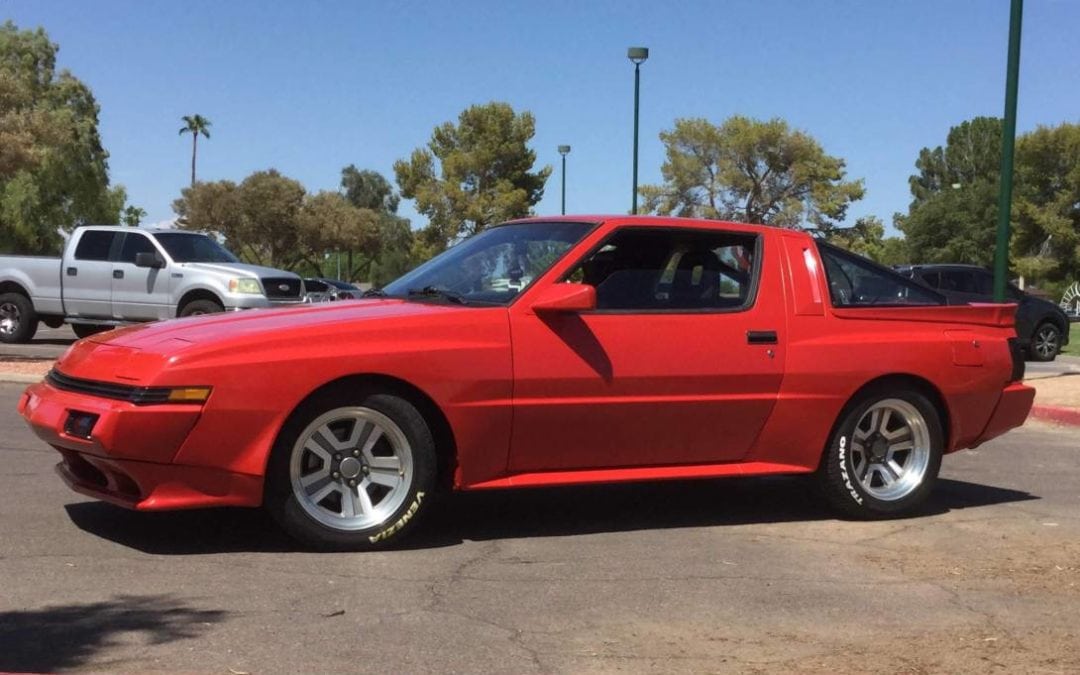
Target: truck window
x,y
855,281
94,245
133,245
671,270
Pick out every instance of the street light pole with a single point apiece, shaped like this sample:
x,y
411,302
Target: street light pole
x,y
637,55
1008,140
564,150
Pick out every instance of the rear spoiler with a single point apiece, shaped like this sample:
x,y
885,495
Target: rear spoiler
x,y
978,314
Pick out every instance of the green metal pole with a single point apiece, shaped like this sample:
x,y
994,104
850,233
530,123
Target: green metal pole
x,y
1008,141
564,185
637,90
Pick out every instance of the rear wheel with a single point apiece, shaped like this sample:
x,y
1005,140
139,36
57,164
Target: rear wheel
x,y
351,473
1046,342
197,307
18,321
884,456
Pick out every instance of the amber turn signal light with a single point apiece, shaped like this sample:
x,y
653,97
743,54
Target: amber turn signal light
x,y
188,394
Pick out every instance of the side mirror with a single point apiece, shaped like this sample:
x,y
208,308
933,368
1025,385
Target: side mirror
x,y
149,259
565,298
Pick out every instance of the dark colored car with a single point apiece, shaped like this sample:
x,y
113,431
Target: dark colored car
x,y
319,289
1043,328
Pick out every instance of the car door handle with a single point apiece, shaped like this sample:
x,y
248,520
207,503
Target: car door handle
x,y
118,274
761,337
72,271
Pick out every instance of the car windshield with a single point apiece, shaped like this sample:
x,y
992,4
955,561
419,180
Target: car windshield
x,y
189,247
491,267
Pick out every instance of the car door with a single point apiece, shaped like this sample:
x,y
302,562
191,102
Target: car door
x,y
88,275
680,363
138,293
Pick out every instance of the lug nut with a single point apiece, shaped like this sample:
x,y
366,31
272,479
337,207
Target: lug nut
x,y
355,453
337,457
337,475
352,483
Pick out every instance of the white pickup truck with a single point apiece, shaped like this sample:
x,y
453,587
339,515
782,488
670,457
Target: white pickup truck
x,y
110,276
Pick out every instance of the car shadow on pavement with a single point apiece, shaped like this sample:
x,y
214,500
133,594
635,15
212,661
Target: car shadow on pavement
x,y
536,512
62,637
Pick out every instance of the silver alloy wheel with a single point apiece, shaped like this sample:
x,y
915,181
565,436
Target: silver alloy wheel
x,y
890,451
1046,342
10,317
351,468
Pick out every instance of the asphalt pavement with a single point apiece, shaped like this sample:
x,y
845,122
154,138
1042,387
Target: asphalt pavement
x,y
741,575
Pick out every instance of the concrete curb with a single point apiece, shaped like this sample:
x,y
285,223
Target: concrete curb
x,y
20,378
1056,414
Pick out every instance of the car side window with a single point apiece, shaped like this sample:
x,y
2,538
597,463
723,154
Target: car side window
x,y
855,281
959,281
133,245
94,245
641,269
984,283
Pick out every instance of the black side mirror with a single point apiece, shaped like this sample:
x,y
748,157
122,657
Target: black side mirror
x,y
149,259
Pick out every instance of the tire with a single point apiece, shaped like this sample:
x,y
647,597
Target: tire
x,y
85,330
18,320
1045,342
197,307
900,479
323,464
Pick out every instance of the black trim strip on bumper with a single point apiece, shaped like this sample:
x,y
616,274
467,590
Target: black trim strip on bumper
x,y
119,392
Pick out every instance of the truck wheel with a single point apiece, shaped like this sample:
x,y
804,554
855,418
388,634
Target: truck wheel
x,y
18,321
196,307
85,330
351,473
1046,342
884,456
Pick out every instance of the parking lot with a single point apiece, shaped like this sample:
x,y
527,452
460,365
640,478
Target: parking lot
x,y
738,575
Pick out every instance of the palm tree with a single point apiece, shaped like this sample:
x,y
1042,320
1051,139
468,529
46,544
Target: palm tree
x,y
195,124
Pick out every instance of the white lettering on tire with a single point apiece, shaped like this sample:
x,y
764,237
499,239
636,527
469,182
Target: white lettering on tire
x,y
844,472
406,517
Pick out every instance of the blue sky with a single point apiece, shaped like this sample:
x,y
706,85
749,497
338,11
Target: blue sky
x,y
309,87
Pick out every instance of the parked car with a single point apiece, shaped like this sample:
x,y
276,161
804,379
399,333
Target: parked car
x,y
1042,326
110,276
321,289
641,349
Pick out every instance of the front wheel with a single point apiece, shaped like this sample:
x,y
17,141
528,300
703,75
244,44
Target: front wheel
x,y
1046,342
351,473
199,307
884,456
85,330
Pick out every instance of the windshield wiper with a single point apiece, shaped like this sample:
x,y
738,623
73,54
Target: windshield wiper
x,y
373,293
436,292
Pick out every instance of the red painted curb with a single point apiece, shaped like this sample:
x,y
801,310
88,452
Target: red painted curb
x,y
1056,414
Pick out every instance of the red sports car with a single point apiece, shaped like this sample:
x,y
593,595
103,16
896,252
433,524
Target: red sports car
x,y
543,352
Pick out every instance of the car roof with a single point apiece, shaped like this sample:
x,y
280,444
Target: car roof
x,y
944,266
651,221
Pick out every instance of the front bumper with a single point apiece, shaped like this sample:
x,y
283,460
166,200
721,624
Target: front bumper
x,y
238,301
1011,411
126,458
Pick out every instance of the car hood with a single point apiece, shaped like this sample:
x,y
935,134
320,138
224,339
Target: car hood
x,y
239,269
305,320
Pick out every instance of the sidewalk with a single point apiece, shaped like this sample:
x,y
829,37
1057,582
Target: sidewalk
x,y
1057,395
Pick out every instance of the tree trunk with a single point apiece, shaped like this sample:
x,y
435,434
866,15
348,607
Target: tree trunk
x,y
194,150
350,267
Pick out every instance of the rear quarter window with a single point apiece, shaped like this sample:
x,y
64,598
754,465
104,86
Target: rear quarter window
x,y
855,281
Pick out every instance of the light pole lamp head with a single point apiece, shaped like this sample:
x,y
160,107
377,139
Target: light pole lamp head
x,y
564,150
637,54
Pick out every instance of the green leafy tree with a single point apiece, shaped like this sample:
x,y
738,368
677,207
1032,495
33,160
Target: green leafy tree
x,y
369,190
329,222
473,174
391,255
1046,211
195,125
132,216
53,168
953,213
259,217
752,171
